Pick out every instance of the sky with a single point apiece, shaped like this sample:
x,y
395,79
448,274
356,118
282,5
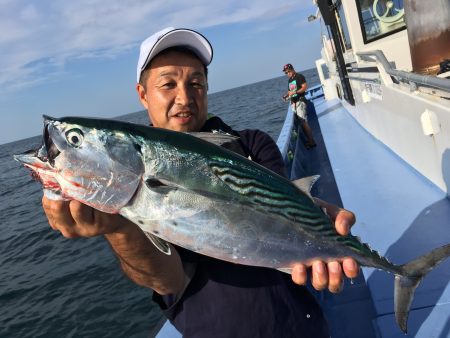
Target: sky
x,y
78,58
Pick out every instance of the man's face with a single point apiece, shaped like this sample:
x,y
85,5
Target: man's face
x,y
289,73
176,94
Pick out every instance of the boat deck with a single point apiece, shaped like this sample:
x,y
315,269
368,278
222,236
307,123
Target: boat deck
x,y
399,212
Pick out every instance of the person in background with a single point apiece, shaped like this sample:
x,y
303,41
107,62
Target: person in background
x,y
296,93
200,295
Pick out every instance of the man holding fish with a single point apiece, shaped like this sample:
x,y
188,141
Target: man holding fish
x,y
203,296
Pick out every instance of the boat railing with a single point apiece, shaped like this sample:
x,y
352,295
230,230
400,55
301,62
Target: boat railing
x,y
417,79
314,92
284,138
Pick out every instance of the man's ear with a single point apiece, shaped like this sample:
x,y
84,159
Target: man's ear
x,y
142,94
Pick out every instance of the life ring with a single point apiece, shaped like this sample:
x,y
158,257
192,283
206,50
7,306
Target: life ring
x,y
386,18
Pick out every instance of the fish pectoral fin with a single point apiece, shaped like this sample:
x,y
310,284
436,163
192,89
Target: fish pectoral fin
x,y
305,184
218,138
159,243
285,270
159,185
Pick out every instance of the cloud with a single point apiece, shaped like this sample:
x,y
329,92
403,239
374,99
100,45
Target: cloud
x,y
39,38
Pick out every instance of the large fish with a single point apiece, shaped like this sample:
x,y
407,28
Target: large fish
x,y
179,188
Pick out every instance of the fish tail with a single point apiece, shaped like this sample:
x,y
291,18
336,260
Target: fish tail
x,y
409,278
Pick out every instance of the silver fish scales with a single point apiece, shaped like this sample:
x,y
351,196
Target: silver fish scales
x,y
187,190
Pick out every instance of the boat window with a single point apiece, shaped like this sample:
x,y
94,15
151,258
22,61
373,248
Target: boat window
x,y
379,18
343,26
326,74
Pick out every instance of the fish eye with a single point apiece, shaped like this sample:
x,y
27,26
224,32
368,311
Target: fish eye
x,y
75,137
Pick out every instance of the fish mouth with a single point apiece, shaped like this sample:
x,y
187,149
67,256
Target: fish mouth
x,y
41,170
51,151
45,154
41,160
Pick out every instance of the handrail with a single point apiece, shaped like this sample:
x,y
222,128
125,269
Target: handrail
x,y
426,80
284,137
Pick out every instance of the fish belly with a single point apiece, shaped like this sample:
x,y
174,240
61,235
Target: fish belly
x,y
226,230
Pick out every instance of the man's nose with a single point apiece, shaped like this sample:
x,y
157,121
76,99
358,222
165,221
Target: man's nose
x,y
184,95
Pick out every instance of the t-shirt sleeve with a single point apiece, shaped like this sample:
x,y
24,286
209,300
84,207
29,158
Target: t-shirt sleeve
x,y
263,150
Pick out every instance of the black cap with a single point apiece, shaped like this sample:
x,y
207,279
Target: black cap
x,y
287,67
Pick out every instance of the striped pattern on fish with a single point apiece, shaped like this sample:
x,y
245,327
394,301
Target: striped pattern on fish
x,y
185,190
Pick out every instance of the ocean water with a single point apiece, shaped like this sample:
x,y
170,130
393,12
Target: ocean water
x,y
56,287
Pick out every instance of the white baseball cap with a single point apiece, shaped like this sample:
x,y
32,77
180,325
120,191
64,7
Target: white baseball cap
x,y
171,37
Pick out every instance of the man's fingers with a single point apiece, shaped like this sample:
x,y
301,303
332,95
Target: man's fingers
x,y
75,219
319,276
60,216
57,212
342,218
326,275
81,213
351,267
299,274
46,204
343,221
335,282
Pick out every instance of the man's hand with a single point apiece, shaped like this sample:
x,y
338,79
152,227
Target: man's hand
x,y
329,274
74,219
140,260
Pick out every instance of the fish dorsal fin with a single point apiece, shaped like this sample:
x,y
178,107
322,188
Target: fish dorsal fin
x,y
159,243
305,184
218,138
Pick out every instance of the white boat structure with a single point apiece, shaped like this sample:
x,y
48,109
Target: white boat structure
x,y
381,119
385,152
